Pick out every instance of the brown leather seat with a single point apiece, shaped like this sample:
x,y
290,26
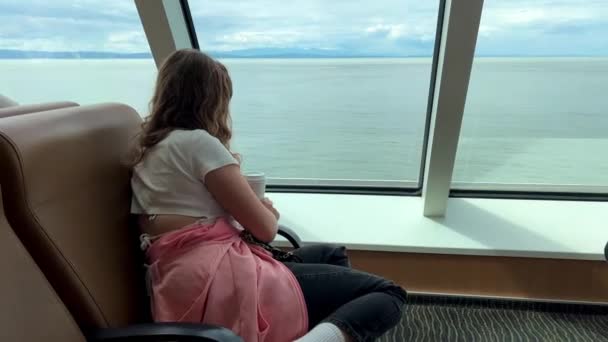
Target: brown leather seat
x,y
33,108
30,310
66,189
7,102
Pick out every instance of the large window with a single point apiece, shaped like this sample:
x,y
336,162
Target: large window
x,y
87,51
536,116
326,92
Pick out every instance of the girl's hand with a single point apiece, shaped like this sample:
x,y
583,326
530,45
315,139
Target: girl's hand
x,y
268,204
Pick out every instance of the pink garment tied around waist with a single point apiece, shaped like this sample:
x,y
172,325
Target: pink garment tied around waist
x,y
205,273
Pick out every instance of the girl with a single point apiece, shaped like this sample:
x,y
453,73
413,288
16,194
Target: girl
x,y
188,191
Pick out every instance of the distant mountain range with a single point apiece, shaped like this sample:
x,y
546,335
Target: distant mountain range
x,y
245,53
298,53
27,54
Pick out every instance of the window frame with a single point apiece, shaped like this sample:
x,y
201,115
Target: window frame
x,y
530,195
185,7
528,191
371,187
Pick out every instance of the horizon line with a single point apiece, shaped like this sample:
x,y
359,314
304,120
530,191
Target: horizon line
x,y
299,57
243,54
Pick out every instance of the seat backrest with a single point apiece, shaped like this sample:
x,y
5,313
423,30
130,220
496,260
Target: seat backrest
x,y
29,307
6,102
33,108
66,188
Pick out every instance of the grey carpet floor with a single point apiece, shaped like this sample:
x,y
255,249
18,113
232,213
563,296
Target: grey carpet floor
x,y
434,318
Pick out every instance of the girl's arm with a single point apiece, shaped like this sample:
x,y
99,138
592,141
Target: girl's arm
x,y
231,190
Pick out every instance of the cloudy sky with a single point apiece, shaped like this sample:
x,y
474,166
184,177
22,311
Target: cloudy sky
x,y
376,27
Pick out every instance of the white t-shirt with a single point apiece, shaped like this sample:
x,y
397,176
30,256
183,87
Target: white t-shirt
x,y
171,177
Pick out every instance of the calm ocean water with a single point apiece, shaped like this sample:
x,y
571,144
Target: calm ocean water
x,y
527,120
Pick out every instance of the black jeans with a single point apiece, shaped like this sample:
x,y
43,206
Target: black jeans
x,y
363,305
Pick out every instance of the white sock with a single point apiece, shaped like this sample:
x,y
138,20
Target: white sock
x,y
324,332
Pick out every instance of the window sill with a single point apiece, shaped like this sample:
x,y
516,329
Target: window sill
x,y
472,226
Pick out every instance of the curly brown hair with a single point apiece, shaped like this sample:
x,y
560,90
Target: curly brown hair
x,y
193,91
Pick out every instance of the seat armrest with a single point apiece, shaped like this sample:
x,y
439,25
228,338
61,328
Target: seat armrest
x,y
157,332
290,235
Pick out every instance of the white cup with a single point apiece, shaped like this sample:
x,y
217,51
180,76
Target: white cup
x,y
257,182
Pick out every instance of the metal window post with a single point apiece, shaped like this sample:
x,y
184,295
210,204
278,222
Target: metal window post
x,y
458,39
